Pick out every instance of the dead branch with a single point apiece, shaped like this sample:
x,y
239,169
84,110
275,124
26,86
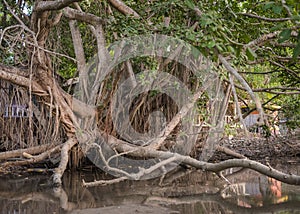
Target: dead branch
x,y
271,90
239,112
261,40
103,182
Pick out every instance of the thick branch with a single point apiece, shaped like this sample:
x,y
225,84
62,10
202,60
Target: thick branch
x,y
19,152
123,8
53,5
11,74
82,16
33,159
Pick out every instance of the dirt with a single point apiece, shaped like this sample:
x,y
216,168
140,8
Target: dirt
x,y
259,148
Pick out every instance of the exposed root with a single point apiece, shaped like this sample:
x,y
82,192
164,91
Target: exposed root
x,y
32,159
59,171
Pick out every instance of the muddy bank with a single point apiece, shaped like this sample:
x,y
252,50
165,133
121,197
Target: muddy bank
x,y
262,149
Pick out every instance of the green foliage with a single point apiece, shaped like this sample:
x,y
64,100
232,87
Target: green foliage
x,y
222,28
291,110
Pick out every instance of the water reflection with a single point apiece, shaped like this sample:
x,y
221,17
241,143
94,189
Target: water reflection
x,y
181,192
251,189
263,192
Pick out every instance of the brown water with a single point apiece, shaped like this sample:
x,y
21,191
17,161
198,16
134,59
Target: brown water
x,y
182,192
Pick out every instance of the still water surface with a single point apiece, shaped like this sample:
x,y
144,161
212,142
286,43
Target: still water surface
x,y
183,192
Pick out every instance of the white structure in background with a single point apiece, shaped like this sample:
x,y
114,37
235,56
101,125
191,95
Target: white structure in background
x,y
251,119
16,111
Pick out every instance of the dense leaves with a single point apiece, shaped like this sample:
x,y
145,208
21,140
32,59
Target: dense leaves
x,y
261,38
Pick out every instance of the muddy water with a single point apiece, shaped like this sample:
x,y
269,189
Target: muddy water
x,y
182,192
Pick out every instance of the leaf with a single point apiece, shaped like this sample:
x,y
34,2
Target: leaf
x,y
268,5
296,51
277,27
205,20
251,54
231,49
284,35
296,18
190,4
195,52
277,9
219,47
211,44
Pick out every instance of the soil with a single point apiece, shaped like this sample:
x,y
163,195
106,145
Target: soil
x,y
262,149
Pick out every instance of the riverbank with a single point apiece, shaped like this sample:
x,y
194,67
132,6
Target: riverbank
x,y
262,149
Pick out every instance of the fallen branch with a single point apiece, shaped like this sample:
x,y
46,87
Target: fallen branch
x,y
122,146
19,152
103,182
